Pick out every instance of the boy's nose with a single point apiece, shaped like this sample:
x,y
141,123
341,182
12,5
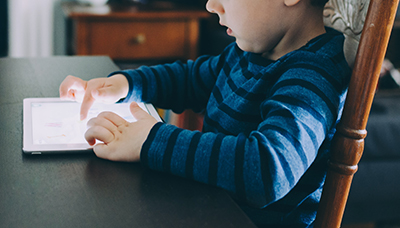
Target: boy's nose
x,y
213,6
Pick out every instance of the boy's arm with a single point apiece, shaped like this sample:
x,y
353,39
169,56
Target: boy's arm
x,y
177,86
262,167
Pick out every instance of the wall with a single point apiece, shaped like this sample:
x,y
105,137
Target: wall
x,y
36,28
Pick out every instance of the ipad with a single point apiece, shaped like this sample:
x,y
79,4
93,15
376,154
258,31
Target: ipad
x,y
52,125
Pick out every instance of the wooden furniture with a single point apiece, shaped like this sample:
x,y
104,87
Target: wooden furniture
x,y
81,190
135,32
349,140
374,194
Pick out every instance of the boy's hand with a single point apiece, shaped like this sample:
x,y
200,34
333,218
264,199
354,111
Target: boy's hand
x,y
122,141
106,90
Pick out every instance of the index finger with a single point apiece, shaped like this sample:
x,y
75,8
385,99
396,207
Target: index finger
x,y
87,102
88,99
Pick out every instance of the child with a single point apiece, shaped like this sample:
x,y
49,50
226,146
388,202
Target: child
x,y
271,101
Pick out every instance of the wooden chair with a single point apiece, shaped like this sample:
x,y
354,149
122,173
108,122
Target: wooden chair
x,y
348,145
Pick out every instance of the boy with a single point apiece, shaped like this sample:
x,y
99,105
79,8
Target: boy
x,y
271,100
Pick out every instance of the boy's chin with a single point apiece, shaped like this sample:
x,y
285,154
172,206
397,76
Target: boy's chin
x,y
248,47
243,46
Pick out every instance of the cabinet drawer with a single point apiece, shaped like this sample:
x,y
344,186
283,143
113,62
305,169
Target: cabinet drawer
x,y
137,40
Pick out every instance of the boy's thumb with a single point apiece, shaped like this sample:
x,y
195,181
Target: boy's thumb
x,y
137,111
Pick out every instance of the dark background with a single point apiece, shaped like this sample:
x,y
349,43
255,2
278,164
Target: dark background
x,y
3,28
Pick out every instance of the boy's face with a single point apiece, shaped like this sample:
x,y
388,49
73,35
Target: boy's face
x,y
257,25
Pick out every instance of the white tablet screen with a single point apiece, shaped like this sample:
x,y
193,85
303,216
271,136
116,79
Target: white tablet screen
x,y
52,125
59,123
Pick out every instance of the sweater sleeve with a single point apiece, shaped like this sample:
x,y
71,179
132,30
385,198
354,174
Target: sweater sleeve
x,y
263,166
177,86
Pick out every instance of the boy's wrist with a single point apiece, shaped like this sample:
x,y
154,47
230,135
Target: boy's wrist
x,y
122,83
134,85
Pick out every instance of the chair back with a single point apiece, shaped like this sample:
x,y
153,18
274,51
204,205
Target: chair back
x,y
347,16
366,58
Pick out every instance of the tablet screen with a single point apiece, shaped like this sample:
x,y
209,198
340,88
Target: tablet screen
x,y
59,123
54,125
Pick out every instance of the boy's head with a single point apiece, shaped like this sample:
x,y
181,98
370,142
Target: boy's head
x,y
260,26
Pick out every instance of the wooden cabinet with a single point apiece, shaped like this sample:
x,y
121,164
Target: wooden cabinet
x,y
138,39
135,32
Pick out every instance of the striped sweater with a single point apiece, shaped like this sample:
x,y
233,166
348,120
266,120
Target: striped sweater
x,y
267,127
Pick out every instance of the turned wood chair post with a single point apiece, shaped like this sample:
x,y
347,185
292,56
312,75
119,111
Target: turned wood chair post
x,y
348,144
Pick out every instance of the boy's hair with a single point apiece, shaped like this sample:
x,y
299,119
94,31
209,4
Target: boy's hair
x,y
319,3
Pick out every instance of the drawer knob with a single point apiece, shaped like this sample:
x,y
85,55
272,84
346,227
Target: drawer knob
x,y
139,39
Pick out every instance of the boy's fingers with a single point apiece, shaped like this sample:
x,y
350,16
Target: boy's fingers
x,y
65,87
70,83
113,118
98,133
65,94
70,95
92,87
103,122
137,111
87,102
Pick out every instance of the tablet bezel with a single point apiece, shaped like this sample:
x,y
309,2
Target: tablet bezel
x,y
30,148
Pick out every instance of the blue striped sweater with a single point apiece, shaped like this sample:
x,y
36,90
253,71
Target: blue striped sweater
x,y
267,127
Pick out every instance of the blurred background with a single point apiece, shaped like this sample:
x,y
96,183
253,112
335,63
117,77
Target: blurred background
x,y
40,28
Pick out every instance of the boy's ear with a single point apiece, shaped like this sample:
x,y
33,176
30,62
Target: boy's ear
x,y
291,2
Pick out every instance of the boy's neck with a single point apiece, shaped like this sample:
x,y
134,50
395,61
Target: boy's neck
x,y
301,29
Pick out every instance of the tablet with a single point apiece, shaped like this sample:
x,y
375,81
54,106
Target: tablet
x,y
52,125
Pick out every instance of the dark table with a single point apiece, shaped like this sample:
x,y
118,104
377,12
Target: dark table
x,y
81,190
